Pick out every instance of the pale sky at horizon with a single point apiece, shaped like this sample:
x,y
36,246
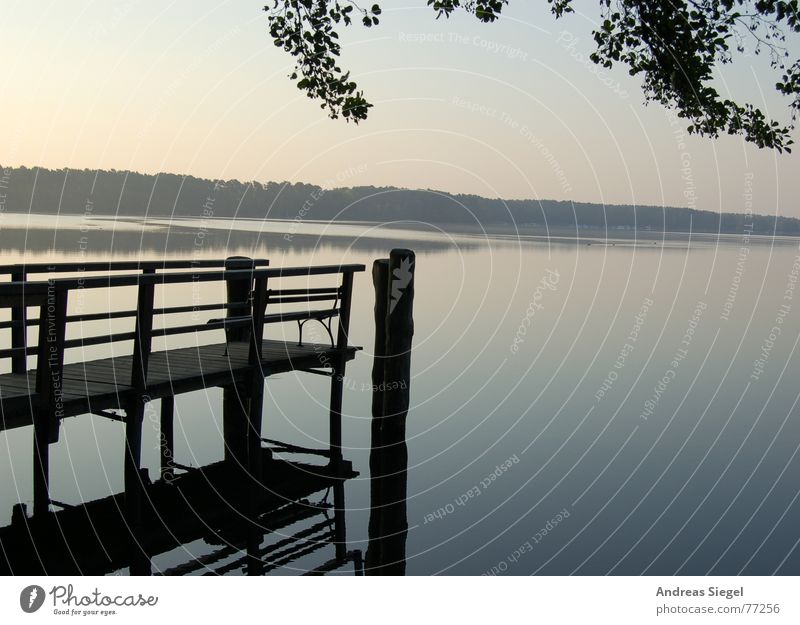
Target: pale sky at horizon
x,y
511,110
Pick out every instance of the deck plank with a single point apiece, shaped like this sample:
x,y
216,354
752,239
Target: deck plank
x,y
105,383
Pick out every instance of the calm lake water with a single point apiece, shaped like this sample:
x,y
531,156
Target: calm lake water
x,y
578,407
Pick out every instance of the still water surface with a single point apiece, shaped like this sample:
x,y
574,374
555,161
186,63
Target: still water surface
x,y
589,407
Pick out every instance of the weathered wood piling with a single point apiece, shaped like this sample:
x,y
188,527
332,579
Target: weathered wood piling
x,y
393,279
234,397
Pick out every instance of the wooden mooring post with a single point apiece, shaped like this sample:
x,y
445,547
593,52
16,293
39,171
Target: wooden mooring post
x,y
235,405
393,280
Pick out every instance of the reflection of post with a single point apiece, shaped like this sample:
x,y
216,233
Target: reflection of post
x,y
339,529
255,562
234,399
391,379
167,438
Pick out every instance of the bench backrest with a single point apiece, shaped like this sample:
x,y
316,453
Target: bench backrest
x,y
24,272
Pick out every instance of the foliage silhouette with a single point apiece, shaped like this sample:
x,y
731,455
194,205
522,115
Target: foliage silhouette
x,y
673,45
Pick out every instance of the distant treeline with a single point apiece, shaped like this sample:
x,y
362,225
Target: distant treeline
x,y
131,194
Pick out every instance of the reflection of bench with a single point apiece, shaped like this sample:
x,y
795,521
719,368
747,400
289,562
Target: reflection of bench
x,y
103,386
194,511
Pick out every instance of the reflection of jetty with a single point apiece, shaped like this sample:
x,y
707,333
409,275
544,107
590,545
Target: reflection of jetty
x,y
201,504
233,503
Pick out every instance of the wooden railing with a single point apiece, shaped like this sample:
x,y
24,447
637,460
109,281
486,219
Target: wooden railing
x,y
19,322
51,297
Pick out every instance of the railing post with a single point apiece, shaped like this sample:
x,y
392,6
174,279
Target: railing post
x,y
143,336
19,331
257,327
346,300
49,387
339,364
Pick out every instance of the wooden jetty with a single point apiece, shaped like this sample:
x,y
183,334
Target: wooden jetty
x,y
234,502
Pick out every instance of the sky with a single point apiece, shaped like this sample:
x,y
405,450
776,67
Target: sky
x,y
512,110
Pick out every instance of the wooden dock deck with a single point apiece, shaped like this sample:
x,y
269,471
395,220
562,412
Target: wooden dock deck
x,y
119,387
103,384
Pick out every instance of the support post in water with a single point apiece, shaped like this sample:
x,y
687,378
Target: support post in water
x,y
135,476
391,383
337,375
235,404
